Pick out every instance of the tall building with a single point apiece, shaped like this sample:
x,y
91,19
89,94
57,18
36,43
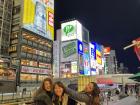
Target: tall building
x,y
5,26
56,54
32,39
110,62
122,69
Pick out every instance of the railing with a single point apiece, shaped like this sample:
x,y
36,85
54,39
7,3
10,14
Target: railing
x,y
15,97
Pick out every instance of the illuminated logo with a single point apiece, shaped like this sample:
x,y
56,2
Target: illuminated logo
x,y
68,29
80,47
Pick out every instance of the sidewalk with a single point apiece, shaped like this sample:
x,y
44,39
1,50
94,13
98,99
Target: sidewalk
x,y
130,100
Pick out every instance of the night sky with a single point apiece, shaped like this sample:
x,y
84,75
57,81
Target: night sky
x,y
112,23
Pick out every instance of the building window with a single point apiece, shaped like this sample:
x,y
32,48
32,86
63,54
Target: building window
x,y
13,48
16,10
14,35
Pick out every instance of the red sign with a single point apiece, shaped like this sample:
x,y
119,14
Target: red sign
x,y
104,81
107,50
51,19
137,47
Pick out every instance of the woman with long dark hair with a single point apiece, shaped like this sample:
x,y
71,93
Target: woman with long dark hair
x,y
60,97
43,96
90,95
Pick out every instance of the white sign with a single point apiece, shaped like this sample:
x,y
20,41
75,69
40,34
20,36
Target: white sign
x,y
26,69
92,51
74,67
71,30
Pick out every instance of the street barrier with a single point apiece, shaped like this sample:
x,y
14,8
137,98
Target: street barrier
x,y
15,97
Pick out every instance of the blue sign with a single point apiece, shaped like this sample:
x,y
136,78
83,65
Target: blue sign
x,y
92,51
80,47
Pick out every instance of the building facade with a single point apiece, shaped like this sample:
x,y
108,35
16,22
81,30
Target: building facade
x,y
32,40
111,62
5,26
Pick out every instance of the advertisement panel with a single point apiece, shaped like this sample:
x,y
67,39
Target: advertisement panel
x,y
80,47
86,60
26,69
69,51
38,17
107,50
92,52
74,67
71,30
98,54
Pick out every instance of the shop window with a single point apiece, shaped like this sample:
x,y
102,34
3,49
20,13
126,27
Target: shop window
x,y
33,63
25,62
30,43
14,35
29,56
42,77
23,54
13,48
16,10
28,77
24,41
35,57
13,54
14,41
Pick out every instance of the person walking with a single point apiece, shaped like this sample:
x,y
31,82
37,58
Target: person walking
x,y
43,96
60,97
90,95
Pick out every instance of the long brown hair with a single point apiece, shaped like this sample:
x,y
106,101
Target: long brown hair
x,y
95,94
41,88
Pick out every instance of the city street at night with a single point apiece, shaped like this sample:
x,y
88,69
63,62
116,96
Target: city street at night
x,y
69,52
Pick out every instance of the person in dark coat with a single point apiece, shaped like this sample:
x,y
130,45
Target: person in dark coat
x,y
43,95
60,97
90,95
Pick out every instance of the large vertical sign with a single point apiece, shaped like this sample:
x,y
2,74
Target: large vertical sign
x,y
86,60
71,30
98,54
38,17
80,47
92,51
137,47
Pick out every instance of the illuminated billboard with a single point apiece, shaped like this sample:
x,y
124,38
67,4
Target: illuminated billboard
x,y
80,47
92,52
71,30
98,54
74,67
38,17
86,60
69,51
107,50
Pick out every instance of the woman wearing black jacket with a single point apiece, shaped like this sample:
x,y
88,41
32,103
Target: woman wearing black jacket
x,y
43,95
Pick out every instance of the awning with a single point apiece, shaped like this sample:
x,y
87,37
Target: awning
x,y
135,77
104,81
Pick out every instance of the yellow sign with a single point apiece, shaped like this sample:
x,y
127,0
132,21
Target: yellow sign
x,y
38,17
